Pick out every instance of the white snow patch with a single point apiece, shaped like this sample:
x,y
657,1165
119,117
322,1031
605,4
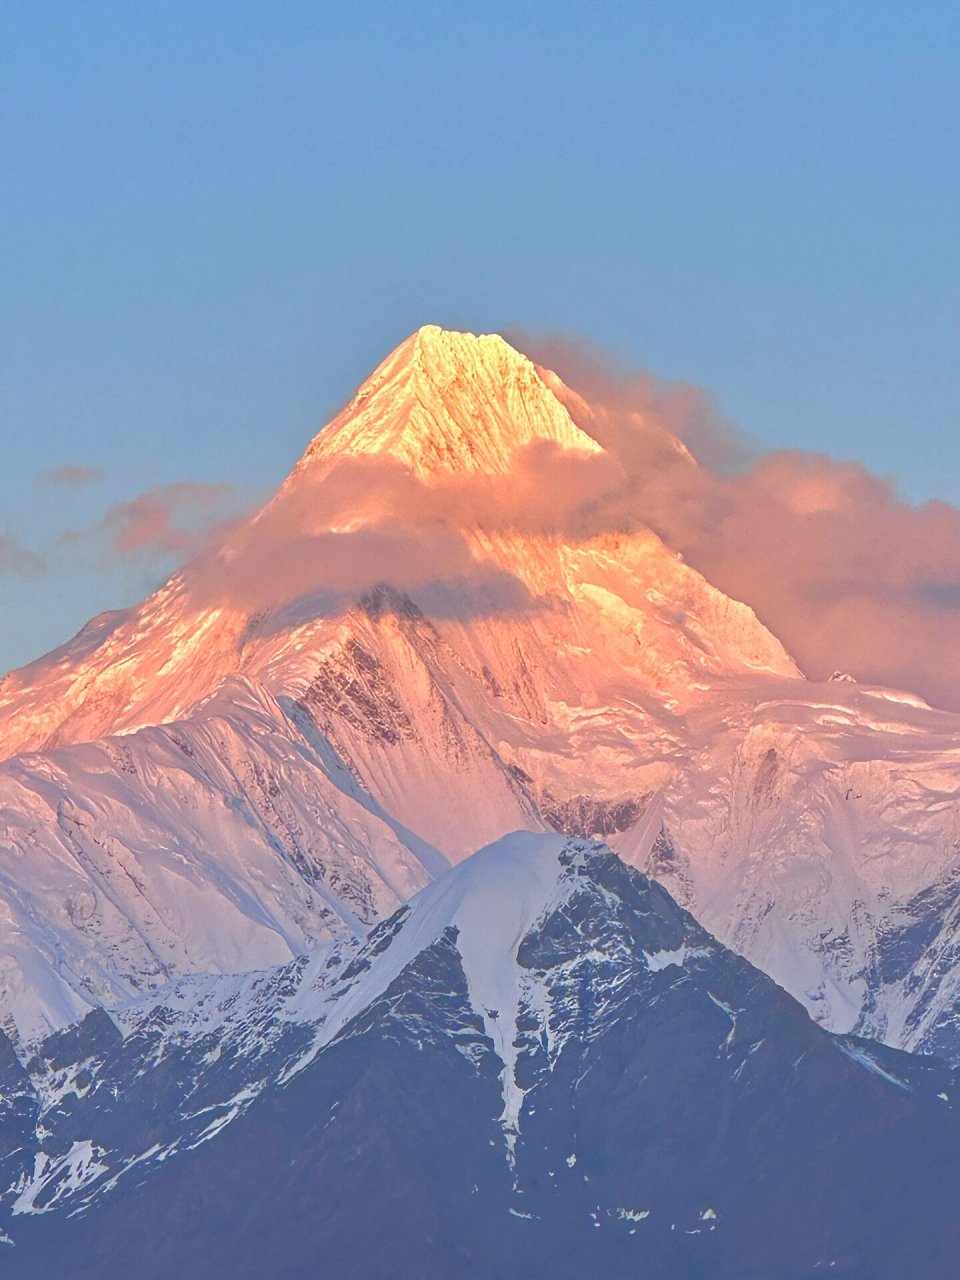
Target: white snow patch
x,y
657,960
150,1154
632,1215
80,1166
233,1106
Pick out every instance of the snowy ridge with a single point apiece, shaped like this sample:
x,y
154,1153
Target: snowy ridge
x,y
224,843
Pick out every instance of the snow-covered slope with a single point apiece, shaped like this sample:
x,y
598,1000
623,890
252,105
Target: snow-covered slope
x,y
233,840
540,1066
351,711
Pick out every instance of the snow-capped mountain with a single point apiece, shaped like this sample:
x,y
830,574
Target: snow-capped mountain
x,y
417,646
541,1065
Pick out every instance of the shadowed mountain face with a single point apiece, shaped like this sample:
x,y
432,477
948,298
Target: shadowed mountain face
x,y
425,640
542,1067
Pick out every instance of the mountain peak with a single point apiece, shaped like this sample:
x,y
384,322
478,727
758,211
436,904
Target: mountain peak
x,y
440,350
444,402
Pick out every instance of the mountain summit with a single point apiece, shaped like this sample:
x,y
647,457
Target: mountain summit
x,y
451,403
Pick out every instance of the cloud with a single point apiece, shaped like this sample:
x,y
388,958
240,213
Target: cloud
x,y
170,521
360,525
616,396
548,489
843,571
74,475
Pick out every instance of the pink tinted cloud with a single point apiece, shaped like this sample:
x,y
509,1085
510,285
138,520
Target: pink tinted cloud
x,y
366,523
168,521
681,410
74,475
845,573
548,489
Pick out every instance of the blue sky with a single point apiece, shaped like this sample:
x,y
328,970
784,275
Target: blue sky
x,y
217,217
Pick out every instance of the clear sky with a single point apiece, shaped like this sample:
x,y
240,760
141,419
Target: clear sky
x,y
217,217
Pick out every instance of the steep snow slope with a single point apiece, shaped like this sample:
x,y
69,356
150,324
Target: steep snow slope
x,y
523,673
540,1066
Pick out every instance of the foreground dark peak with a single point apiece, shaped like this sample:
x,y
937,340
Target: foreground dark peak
x,y
639,1100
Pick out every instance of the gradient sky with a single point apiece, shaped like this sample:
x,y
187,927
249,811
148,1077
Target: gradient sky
x,y
217,217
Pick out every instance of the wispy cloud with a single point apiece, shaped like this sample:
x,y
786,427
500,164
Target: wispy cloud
x,y
167,522
362,524
72,475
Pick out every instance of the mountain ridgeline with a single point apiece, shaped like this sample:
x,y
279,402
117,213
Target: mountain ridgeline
x,y
265,1011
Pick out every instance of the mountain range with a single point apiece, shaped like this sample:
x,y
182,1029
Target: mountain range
x,y
248,952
